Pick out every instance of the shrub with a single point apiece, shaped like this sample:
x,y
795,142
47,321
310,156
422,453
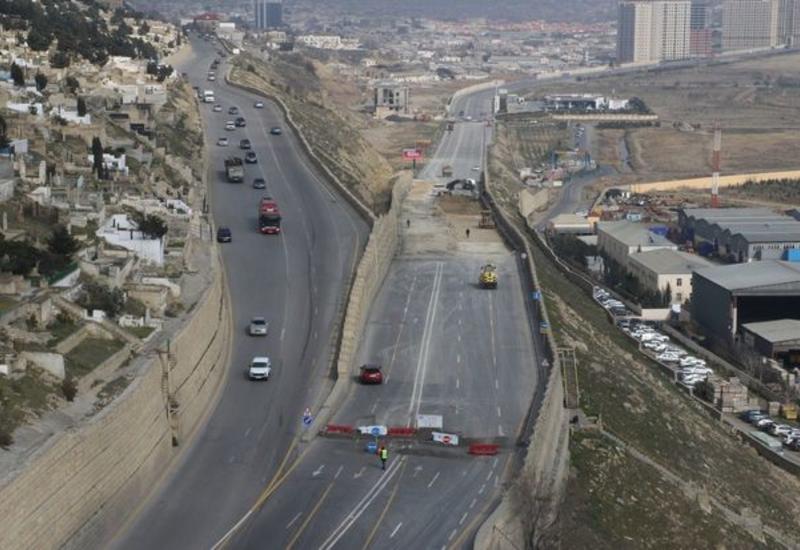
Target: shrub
x,y
69,389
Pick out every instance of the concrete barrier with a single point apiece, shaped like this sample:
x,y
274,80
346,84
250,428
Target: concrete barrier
x,y
74,488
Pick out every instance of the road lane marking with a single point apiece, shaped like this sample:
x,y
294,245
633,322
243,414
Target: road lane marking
x,y
247,432
458,383
499,412
433,480
294,519
458,358
318,471
464,517
309,517
359,473
339,471
395,530
374,406
496,384
424,349
363,504
489,475
452,534
494,463
383,514
400,331
459,337
472,504
482,489
283,333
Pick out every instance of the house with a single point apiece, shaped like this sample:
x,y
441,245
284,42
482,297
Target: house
x,y
618,240
659,270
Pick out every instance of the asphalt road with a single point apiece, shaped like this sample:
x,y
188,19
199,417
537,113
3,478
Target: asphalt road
x,y
297,281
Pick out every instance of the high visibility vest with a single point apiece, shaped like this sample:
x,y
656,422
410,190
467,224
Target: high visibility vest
x,y
384,454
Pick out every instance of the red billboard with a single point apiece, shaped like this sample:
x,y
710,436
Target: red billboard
x,y
412,154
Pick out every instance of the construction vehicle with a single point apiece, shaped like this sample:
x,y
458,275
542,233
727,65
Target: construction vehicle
x,y
234,169
447,171
488,277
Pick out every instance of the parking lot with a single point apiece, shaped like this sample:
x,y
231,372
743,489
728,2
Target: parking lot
x,y
689,371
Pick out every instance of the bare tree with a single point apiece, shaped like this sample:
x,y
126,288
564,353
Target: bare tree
x,y
535,506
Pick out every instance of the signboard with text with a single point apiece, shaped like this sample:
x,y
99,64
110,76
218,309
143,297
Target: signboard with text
x,y
412,154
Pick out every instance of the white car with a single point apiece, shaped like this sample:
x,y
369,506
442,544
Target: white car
x,y
692,362
258,105
222,142
655,346
258,326
780,429
666,357
676,350
260,368
217,108
230,125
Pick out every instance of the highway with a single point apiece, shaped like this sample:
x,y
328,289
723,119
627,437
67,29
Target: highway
x,y
448,348
297,280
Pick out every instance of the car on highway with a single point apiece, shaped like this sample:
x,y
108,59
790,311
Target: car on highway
x,y
258,327
258,104
230,125
476,168
260,368
259,183
240,122
233,110
222,142
224,235
276,131
245,144
217,108
250,157
370,374
212,78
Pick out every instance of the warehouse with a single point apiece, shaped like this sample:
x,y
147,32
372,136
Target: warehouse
x,y
779,340
726,297
618,240
741,234
659,270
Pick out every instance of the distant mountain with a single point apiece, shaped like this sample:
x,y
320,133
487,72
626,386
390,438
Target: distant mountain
x,y
75,29
583,11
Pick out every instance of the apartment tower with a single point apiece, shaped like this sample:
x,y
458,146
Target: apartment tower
x,y
653,30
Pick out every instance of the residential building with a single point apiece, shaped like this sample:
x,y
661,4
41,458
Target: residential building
x,y
741,234
268,14
618,240
583,102
726,297
649,31
699,30
659,270
390,96
751,24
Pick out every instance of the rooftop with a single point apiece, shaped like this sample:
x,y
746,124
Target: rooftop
x,y
717,214
753,275
777,331
670,262
633,234
754,224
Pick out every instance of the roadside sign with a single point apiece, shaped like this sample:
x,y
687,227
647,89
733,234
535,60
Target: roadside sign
x,y
375,431
429,421
536,295
543,327
307,418
445,438
412,154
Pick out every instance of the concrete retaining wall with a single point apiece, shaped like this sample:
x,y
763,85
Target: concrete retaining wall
x,y
705,182
370,273
76,489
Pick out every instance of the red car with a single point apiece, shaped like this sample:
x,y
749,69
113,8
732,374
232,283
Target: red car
x,y
371,374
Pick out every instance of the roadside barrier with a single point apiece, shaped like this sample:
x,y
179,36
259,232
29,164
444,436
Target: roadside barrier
x,y
402,431
338,429
483,449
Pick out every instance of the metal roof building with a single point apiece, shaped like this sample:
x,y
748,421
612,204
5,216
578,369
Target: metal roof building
x,y
776,339
742,234
619,240
726,297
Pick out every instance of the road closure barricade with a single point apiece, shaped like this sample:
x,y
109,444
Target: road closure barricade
x,y
484,449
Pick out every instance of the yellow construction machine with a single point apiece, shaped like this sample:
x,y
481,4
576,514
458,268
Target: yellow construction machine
x,y
488,277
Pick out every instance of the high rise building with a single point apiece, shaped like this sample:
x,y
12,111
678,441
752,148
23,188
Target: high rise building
x,y
789,22
653,30
700,31
751,24
269,14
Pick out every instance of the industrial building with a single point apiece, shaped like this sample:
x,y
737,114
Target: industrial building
x,y
653,30
658,270
726,297
390,98
618,240
741,234
779,340
583,102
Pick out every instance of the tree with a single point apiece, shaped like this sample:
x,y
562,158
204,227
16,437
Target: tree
x,y
72,84
151,226
144,29
61,243
81,107
17,75
41,82
3,133
667,296
97,296
97,156
38,40
59,60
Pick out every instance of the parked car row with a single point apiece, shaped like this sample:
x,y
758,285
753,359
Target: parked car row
x,y
789,435
604,298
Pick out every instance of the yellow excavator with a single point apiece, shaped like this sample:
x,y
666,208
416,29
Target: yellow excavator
x,y
488,277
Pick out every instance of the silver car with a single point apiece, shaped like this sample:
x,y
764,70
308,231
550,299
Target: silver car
x,y
258,327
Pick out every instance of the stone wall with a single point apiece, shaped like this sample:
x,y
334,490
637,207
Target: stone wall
x,y
76,489
370,273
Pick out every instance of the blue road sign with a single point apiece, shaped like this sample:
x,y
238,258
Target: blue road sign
x,y
372,447
536,295
376,431
307,420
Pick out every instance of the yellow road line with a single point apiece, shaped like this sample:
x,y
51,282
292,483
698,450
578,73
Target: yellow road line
x,y
310,516
385,509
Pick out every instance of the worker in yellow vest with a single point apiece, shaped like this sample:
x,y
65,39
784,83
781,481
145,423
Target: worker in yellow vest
x,y
383,453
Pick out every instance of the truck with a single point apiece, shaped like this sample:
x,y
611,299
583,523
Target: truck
x,y
488,276
269,216
234,169
208,96
447,171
